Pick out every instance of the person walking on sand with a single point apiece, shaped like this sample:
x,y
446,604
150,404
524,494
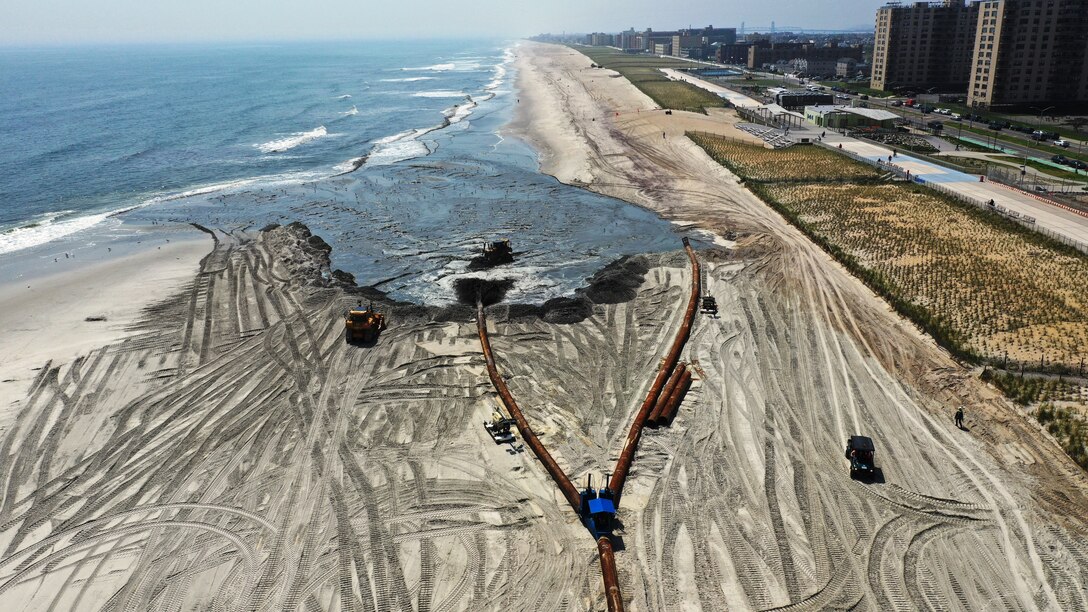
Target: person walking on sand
x,y
959,417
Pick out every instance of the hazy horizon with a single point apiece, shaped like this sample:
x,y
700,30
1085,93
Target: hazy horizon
x,y
64,22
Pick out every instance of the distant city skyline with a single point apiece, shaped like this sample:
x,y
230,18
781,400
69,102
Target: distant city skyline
x,y
127,21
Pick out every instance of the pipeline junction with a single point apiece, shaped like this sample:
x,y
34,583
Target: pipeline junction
x,y
597,508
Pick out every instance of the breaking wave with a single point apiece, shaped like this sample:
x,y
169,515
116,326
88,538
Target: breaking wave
x,y
439,93
292,141
433,68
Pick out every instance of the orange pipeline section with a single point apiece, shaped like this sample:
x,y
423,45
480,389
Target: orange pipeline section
x,y
610,576
560,477
657,414
672,405
627,455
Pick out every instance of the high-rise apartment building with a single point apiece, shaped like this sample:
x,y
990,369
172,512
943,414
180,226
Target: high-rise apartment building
x,y
1014,54
1030,54
924,46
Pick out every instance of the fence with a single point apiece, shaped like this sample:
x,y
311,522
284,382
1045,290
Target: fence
x,y
1013,177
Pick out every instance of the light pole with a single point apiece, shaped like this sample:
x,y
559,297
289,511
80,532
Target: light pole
x,y
929,92
1041,112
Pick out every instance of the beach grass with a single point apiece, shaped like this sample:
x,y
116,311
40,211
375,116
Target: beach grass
x,y
758,163
984,287
644,72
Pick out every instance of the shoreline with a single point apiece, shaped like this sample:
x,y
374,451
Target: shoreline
x,y
55,316
582,121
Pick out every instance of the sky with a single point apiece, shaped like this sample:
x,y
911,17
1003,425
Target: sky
x,y
30,22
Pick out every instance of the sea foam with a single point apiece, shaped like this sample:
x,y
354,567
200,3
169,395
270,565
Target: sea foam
x,y
439,93
433,68
292,141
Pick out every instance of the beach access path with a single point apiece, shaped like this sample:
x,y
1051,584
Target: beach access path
x,y
1066,222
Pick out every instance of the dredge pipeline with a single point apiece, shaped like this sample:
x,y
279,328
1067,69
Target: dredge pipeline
x,y
593,506
627,455
557,473
604,544
608,573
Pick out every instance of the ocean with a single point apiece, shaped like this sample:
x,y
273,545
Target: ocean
x,y
394,152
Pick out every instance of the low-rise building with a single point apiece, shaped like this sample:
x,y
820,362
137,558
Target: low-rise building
x,y
795,99
814,67
843,117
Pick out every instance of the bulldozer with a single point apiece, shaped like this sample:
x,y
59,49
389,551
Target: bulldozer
x,y
363,324
494,254
498,252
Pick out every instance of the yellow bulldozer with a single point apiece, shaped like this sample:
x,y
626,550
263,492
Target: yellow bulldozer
x,y
363,324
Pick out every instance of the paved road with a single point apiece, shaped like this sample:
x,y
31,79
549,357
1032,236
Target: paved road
x,y
1048,216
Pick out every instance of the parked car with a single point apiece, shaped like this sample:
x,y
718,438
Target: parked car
x,y
864,96
1059,159
1078,164
897,103
995,126
1062,143
956,117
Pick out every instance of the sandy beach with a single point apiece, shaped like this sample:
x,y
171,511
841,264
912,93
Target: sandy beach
x,y
54,317
215,444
